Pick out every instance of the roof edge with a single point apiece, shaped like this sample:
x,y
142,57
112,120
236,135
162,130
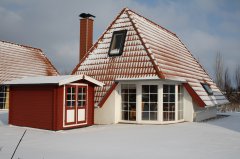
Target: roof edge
x,y
109,92
155,66
26,46
154,23
194,95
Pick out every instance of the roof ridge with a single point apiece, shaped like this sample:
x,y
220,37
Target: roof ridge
x,y
26,46
163,28
155,66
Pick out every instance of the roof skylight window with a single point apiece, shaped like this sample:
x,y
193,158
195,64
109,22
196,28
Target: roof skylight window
x,y
207,88
117,43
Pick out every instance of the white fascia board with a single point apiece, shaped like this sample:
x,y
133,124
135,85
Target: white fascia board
x,y
92,80
152,78
70,79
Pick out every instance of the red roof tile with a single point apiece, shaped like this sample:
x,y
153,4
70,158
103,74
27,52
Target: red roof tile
x,y
150,51
19,61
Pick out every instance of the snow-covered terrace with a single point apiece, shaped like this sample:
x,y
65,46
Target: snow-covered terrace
x,y
215,139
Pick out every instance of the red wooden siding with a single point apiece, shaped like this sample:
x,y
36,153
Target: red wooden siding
x,y
90,116
58,108
32,106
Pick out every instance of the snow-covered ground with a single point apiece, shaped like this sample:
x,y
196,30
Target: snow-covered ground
x,y
214,139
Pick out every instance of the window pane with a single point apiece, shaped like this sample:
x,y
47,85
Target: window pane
x,y
165,89
153,115
172,116
145,115
132,106
133,91
124,115
153,107
73,103
146,107
80,103
132,115
165,107
125,97
172,88
132,97
124,91
145,88
124,106
69,90
172,97
132,88
73,90
145,97
118,40
165,97
207,88
165,116
153,97
68,103
172,106
153,88
68,97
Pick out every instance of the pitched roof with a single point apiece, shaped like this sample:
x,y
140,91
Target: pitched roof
x,y
59,80
150,51
19,61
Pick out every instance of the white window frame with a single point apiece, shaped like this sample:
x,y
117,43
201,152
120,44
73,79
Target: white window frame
x,y
160,102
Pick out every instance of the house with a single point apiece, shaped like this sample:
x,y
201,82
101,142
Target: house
x,y
52,102
18,61
149,74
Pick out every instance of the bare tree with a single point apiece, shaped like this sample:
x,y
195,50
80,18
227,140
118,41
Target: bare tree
x,y
227,84
237,77
219,70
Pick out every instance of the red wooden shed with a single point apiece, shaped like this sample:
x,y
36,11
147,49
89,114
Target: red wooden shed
x,y
52,102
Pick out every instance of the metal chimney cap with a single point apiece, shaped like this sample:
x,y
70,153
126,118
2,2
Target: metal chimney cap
x,y
86,15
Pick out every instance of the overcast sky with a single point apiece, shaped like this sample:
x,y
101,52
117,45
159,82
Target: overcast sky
x,y
205,26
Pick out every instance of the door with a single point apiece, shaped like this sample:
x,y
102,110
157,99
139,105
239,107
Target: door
x,y
75,104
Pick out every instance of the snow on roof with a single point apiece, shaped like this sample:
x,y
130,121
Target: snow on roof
x,y
149,51
19,61
59,80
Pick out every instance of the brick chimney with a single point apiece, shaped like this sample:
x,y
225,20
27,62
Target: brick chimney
x,y
86,33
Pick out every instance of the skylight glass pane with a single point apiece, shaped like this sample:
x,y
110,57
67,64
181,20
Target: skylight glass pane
x,y
207,88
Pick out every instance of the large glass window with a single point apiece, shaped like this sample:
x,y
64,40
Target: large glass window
x,y
128,93
149,102
168,102
180,102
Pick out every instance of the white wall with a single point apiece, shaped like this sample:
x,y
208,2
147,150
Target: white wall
x,y
106,114
187,107
204,113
